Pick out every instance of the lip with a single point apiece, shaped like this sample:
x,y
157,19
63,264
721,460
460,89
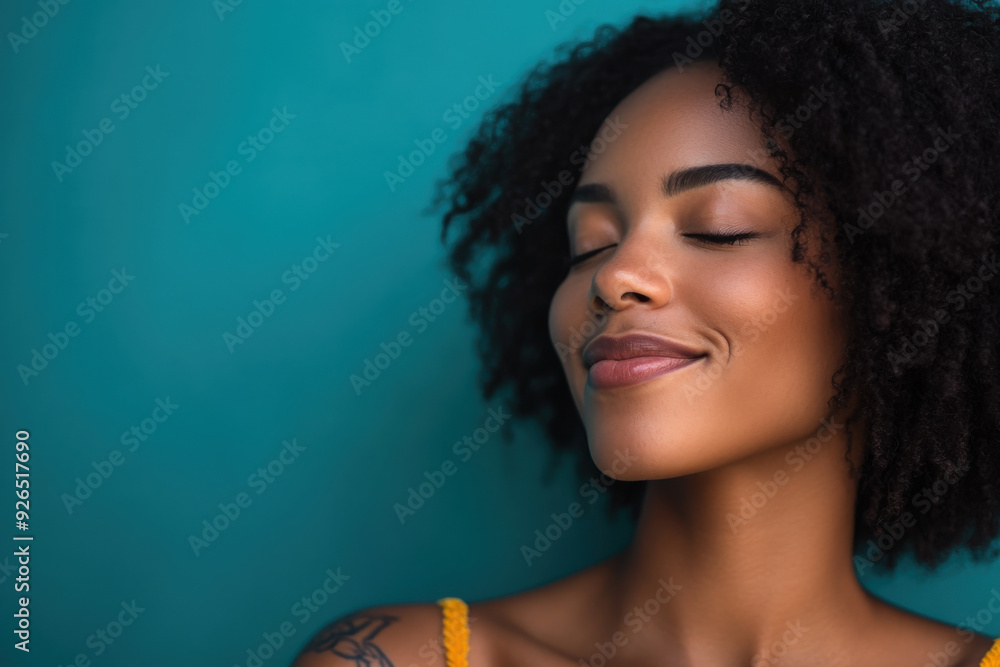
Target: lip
x,y
633,358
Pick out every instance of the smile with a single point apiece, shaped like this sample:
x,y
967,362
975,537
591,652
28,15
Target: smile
x,y
610,373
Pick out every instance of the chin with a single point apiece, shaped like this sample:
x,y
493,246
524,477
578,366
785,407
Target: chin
x,y
636,452
661,443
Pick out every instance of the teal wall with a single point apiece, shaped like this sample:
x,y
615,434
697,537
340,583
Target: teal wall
x,y
146,416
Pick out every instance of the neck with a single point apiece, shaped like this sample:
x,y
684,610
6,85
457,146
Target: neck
x,y
757,551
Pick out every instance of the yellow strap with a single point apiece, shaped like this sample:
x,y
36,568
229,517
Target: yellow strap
x,y
455,631
992,658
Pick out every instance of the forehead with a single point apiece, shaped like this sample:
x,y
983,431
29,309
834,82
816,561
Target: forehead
x,y
673,121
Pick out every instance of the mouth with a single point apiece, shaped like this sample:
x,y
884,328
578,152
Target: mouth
x,y
618,361
611,373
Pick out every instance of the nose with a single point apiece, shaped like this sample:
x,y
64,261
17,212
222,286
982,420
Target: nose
x,y
636,273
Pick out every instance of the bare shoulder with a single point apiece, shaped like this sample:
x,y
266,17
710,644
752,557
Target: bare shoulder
x,y
928,641
386,635
513,630
976,649
962,648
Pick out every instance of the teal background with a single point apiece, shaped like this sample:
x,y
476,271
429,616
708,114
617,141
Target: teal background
x,y
162,335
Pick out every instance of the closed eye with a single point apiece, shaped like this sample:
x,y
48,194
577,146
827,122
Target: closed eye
x,y
570,261
715,239
724,239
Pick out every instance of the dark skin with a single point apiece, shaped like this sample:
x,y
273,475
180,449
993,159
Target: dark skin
x,y
775,587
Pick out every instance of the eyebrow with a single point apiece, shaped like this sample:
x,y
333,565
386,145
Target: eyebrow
x,y
682,180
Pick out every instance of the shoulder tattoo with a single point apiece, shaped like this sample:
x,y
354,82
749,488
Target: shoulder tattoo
x,y
352,638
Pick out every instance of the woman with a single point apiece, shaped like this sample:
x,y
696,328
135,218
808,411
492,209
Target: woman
x,y
762,299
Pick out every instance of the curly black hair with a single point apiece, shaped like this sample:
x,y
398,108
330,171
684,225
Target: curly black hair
x,y
899,145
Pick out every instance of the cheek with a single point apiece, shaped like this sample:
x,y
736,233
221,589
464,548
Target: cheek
x,y
752,309
785,345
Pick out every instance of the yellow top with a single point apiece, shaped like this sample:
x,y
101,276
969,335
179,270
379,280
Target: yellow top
x,y
992,659
455,632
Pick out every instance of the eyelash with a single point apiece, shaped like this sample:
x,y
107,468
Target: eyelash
x,y
717,239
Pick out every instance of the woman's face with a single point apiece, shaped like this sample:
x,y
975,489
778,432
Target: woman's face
x,y
765,340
